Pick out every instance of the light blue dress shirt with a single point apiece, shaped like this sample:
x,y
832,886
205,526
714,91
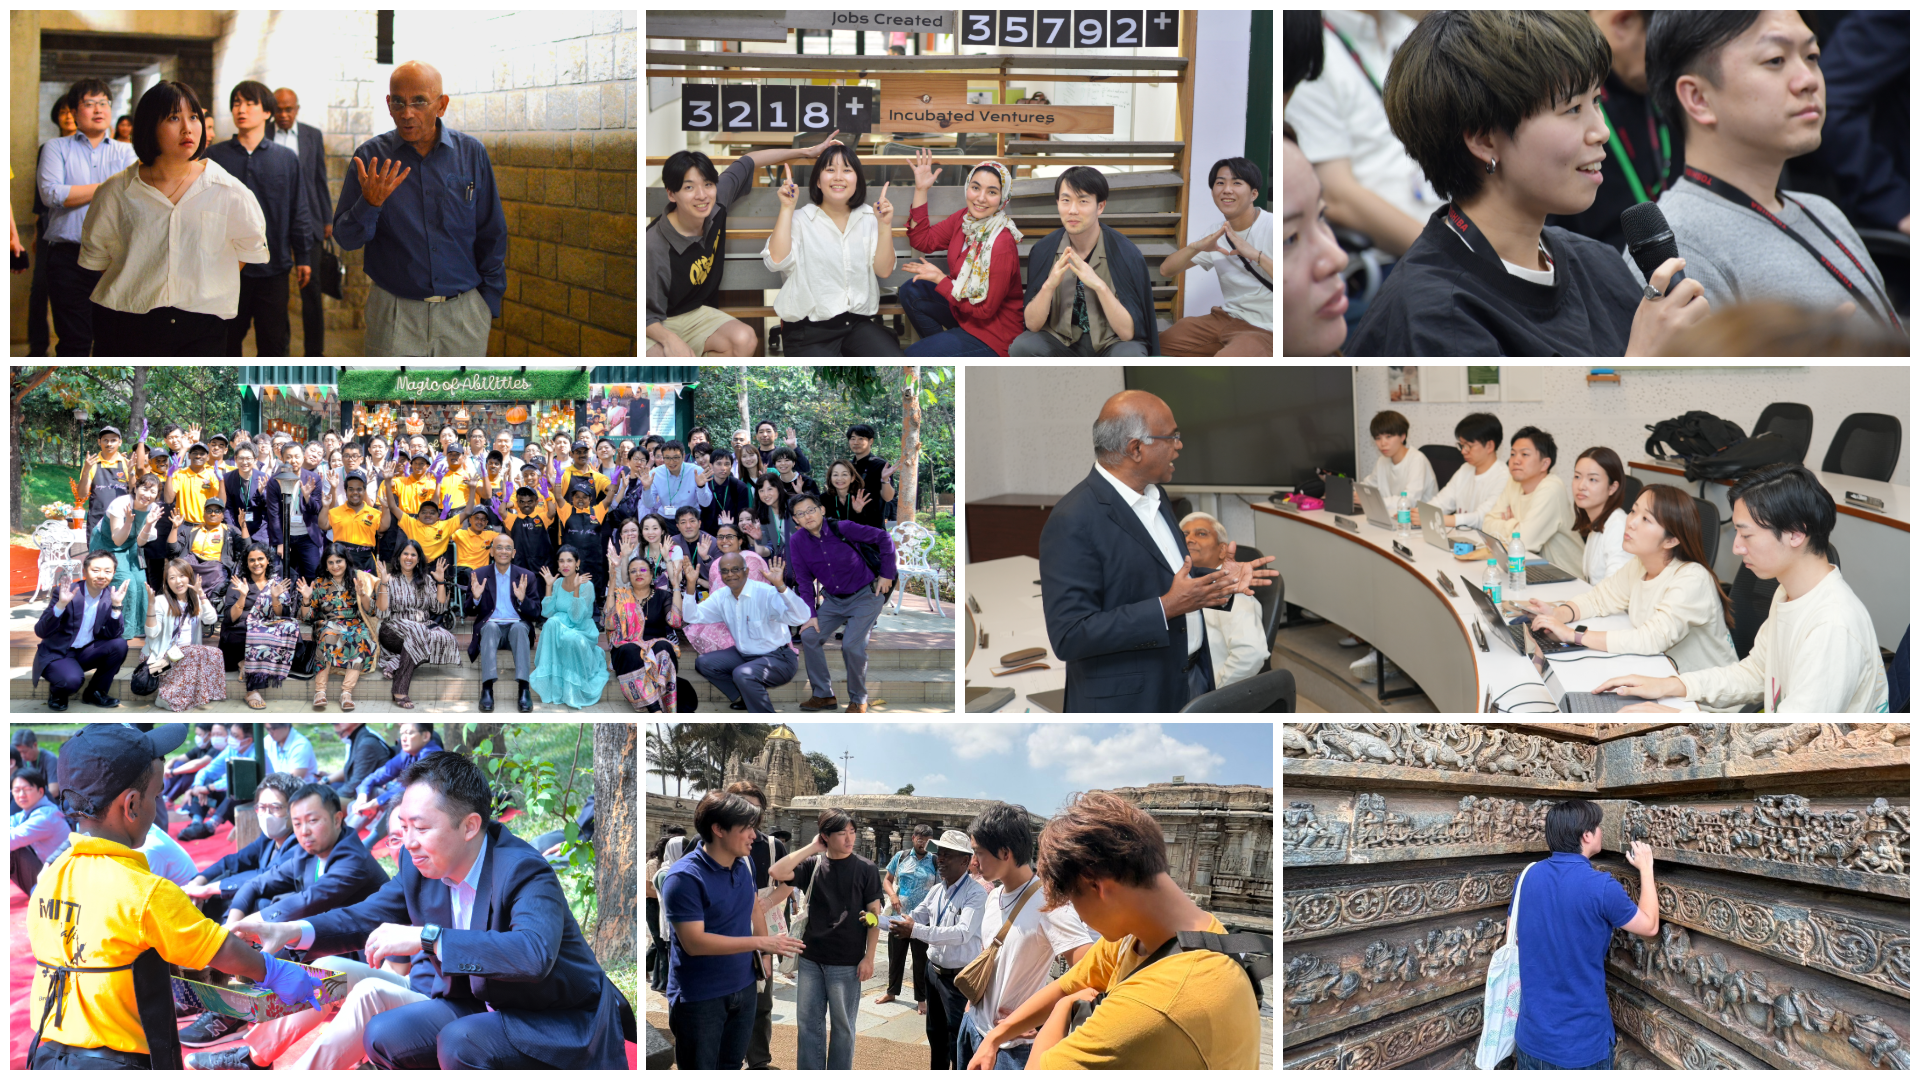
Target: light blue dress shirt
x,y
84,635
296,754
464,893
503,611
67,163
758,620
40,827
666,493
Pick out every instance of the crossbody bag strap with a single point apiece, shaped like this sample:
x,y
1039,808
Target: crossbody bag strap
x,y
1513,923
1008,925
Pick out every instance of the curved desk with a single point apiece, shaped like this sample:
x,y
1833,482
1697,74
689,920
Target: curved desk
x,y
1874,545
1357,581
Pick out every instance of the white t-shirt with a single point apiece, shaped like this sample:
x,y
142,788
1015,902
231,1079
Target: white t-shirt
x,y
1243,295
1817,654
828,273
1340,114
1020,969
1414,475
184,255
1468,496
1604,551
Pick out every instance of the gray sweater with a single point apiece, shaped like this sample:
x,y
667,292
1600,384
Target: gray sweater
x,y
1739,258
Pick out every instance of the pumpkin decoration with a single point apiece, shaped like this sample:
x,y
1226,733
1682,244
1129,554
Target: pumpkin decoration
x,y
517,414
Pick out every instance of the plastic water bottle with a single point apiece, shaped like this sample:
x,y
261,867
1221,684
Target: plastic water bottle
x,y
1516,568
1490,583
1402,516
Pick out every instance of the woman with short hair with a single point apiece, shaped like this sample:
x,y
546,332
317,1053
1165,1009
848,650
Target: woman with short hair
x,y
169,235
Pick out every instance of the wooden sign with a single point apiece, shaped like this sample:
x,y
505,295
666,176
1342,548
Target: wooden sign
x,y
910,22
940,105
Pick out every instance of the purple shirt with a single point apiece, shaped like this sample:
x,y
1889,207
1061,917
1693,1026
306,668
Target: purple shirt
x,y
835,565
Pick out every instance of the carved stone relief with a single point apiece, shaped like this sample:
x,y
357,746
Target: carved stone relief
x,y
1317,985
1463,748
1864,847
1317,912
1677,1041
1396,1040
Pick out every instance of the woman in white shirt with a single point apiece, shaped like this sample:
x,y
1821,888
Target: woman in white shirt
x,y
1399,467
833,253
169,235
1674,602
1597,514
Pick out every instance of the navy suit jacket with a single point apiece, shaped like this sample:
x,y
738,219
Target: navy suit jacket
x,y
1101,579
313,177
524,955
287,890
316,516
528,607
235,870
56,631
247,501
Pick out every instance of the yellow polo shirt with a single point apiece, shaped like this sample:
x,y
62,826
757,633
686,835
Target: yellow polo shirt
x,y
410,491
192,489
1193,1010
99,906
453,492
473,549
433,538
352,526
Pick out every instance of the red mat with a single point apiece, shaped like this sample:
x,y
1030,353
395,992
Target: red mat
x,y
204,853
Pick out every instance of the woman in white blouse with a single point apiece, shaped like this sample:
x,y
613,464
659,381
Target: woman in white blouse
x,y
833,253
1674,602
1597,514
169,235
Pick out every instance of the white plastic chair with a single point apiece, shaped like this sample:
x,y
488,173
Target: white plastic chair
x,y
912,542
56,539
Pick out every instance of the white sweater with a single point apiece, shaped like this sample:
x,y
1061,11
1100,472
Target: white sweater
x,y
1414,475
1817,654
1545,520
1605,552
1678,612
1236,640
1468,496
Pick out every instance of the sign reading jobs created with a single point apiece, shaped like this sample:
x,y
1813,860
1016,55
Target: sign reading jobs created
x,y
418,385
912,22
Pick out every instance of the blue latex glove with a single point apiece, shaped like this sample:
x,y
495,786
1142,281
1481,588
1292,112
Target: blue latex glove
x,y
291,982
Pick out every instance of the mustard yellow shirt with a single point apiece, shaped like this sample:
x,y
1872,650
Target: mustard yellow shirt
x,y
191,490
99,906
473,549
352,526
410,491
1191,1010
433,538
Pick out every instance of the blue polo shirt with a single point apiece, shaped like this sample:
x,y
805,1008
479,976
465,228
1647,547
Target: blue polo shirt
x,y
697,889
1568,914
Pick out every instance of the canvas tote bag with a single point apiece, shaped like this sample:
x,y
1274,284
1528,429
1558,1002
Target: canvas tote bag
x,y
1500,1015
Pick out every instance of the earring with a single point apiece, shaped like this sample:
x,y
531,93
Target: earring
x,y
1491,162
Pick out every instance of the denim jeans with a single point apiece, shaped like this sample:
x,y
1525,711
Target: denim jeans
x,y
971,1036
1524,1060
932,317
827,992
712,1034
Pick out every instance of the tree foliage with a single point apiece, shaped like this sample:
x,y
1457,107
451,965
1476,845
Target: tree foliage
x,y
826,775
908,790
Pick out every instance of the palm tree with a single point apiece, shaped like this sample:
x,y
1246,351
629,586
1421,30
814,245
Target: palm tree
x,y
671,751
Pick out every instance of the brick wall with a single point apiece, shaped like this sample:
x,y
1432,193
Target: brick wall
x,y
555,105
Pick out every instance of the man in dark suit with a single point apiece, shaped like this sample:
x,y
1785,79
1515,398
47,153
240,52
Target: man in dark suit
x,y
246,490
1121,594
511,623
307,141
302,552
217,885
80,631
512,982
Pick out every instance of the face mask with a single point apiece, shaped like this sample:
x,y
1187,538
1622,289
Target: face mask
x,y
218,742
276,828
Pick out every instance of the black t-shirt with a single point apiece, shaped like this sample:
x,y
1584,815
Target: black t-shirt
x,y
761,857
835,934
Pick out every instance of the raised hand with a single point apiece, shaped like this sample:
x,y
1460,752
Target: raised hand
x,y
788,190
886,474
706,546
751,528
120,593
777,571
239,591
306,591
546,576
193,434
860,501
1244,576
725,518
646,479
440,572
883,208
793,439
375,186
520,589
925,174
612,559
307,485
922,270
812,153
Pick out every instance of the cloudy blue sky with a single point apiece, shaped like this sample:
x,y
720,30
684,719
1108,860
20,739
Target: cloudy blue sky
x,y
1038,765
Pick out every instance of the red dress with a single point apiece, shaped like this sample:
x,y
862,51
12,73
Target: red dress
x,y
1001,317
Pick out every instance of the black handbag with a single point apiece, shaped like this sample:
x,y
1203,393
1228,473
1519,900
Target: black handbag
x,y
303,657
144,681
330,270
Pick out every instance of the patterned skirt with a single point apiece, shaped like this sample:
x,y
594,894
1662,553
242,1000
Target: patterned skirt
x,y
198,678
269,648
426,642
354,649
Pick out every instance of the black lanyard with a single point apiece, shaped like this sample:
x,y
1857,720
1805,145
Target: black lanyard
x,y
1736,196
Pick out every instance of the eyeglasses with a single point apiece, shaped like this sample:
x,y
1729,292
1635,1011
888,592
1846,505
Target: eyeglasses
x,y
417,104
735,572
1175,437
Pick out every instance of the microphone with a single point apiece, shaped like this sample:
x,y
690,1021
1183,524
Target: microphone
x,y
1650,241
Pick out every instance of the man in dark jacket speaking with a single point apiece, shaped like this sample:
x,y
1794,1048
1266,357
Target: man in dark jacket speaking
x,y
514,984
1087,288
1122,596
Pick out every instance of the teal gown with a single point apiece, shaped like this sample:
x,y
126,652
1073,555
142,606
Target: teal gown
x,y
126,564
570,668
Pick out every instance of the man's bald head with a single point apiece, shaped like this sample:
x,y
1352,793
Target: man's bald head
x,y
415,79
286,108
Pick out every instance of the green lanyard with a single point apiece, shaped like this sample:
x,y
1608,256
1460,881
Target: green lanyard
x,y
1626,163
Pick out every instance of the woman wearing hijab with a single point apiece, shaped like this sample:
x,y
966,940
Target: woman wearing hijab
x,y
979,310
1501,109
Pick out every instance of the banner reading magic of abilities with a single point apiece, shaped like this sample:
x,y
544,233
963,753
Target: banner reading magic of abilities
x,y
450,385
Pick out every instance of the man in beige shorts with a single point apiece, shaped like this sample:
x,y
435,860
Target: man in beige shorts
x,y
702,323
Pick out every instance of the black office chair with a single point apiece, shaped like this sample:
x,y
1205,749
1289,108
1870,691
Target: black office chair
x,y
1899,680
1789,418
1709,528
1181,507
1752,596
1867,445
1629,491
1444,459
1267,692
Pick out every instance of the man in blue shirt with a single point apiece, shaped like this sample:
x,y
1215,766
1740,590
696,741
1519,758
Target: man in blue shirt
x,y
708,896
436,248
290,752
69,171
36,831
907,879
272,173
1570,915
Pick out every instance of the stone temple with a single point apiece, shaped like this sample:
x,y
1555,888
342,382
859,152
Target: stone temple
x,y
1781,861
1219,837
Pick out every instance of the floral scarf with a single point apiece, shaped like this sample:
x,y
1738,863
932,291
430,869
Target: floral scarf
x,y
978,234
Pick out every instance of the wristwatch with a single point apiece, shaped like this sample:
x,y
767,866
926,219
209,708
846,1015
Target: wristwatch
x,y
430,940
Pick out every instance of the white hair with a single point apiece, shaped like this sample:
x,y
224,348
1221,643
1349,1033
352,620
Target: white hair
x,y
1219,530
1110,437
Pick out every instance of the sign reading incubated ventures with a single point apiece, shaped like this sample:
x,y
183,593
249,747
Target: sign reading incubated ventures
x,y
940,104
418,385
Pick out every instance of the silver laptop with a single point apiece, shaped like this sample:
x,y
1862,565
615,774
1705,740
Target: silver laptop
x,y
1569,701
1374,504
1437,534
